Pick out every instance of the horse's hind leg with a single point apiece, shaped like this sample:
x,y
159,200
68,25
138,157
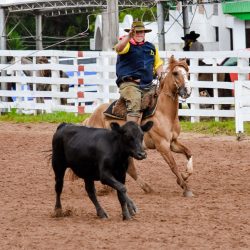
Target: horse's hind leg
x,y
133,173
177,147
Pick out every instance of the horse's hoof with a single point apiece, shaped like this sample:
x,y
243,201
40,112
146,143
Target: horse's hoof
x,y
188,194
147,189
184,176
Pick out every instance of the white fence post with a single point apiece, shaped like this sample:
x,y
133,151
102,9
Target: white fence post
x,y
104,88
242,97
55,87
34,74
18,84
238,118
195,91
215,80
75,74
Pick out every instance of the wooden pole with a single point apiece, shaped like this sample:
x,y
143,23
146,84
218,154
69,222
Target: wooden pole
x,y
3,47
160,22
39,43
110,25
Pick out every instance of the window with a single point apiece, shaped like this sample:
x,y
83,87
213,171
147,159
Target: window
x,y
231,39
217,34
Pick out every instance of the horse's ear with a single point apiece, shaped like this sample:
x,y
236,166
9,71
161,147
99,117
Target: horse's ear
x,y
171,60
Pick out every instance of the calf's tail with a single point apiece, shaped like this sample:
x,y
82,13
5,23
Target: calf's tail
x,y
61,125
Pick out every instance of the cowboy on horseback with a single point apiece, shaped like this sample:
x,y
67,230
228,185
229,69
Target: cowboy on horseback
x,y
138,61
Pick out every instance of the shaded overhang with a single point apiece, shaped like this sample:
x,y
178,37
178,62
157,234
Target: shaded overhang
x,y
240,10
66,7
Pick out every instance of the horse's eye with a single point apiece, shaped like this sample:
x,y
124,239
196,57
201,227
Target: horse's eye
x,y
175,73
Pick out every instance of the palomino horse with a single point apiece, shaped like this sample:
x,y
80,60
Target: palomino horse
x,y
164,134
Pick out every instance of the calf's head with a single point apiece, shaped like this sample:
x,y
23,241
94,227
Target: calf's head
x,y
132,137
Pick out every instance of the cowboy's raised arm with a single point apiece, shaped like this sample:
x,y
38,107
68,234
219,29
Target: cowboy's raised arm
x,y
124,41
158,64
159,71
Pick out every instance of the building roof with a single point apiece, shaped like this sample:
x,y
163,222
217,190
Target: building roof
x,y
240,10
49,5
6,3
65,7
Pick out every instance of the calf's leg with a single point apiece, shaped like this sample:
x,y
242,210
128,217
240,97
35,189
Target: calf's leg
x,y
125,212
128,206
90,188
59,175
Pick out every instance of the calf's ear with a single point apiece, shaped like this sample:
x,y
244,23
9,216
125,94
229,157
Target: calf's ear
x,y
147,126
114,126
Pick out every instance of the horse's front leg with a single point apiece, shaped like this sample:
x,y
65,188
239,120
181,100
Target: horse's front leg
x,y
177,147
164,149
133,173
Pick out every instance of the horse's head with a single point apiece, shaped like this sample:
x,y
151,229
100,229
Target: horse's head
x,y
177,77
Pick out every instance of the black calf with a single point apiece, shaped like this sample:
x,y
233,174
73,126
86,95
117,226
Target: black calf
x,y
98,154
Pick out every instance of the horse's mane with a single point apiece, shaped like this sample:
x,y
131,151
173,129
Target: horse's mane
x,y
172,63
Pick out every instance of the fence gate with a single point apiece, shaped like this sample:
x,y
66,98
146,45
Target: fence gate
x,y
242,104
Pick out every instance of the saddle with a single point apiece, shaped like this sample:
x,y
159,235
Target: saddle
x,y
118,109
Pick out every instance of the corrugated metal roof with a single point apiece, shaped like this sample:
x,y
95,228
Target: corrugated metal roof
x,y
7,3
47,6
14,2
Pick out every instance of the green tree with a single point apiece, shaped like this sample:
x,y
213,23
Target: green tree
x,y
14,40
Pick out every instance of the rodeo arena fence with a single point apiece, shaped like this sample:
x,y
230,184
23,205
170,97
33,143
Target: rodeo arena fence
x,y
90,77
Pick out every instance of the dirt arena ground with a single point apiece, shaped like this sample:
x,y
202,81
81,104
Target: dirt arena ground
x,y
218,217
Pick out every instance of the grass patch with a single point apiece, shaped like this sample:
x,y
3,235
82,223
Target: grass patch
x,y
56,117
226,127
212,127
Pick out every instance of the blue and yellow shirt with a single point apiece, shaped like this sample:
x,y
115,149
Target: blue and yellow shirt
x,y
138,61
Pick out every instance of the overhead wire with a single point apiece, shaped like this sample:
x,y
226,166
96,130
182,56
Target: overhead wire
x,y
82,34
13,28
193,15
5,22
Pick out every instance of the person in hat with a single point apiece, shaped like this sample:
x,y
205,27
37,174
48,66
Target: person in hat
x,y
186,43
138,62
191,42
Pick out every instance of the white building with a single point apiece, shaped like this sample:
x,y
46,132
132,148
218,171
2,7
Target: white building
x,y
218,31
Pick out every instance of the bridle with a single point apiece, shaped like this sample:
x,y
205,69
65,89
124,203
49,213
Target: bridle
x,y
176,83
